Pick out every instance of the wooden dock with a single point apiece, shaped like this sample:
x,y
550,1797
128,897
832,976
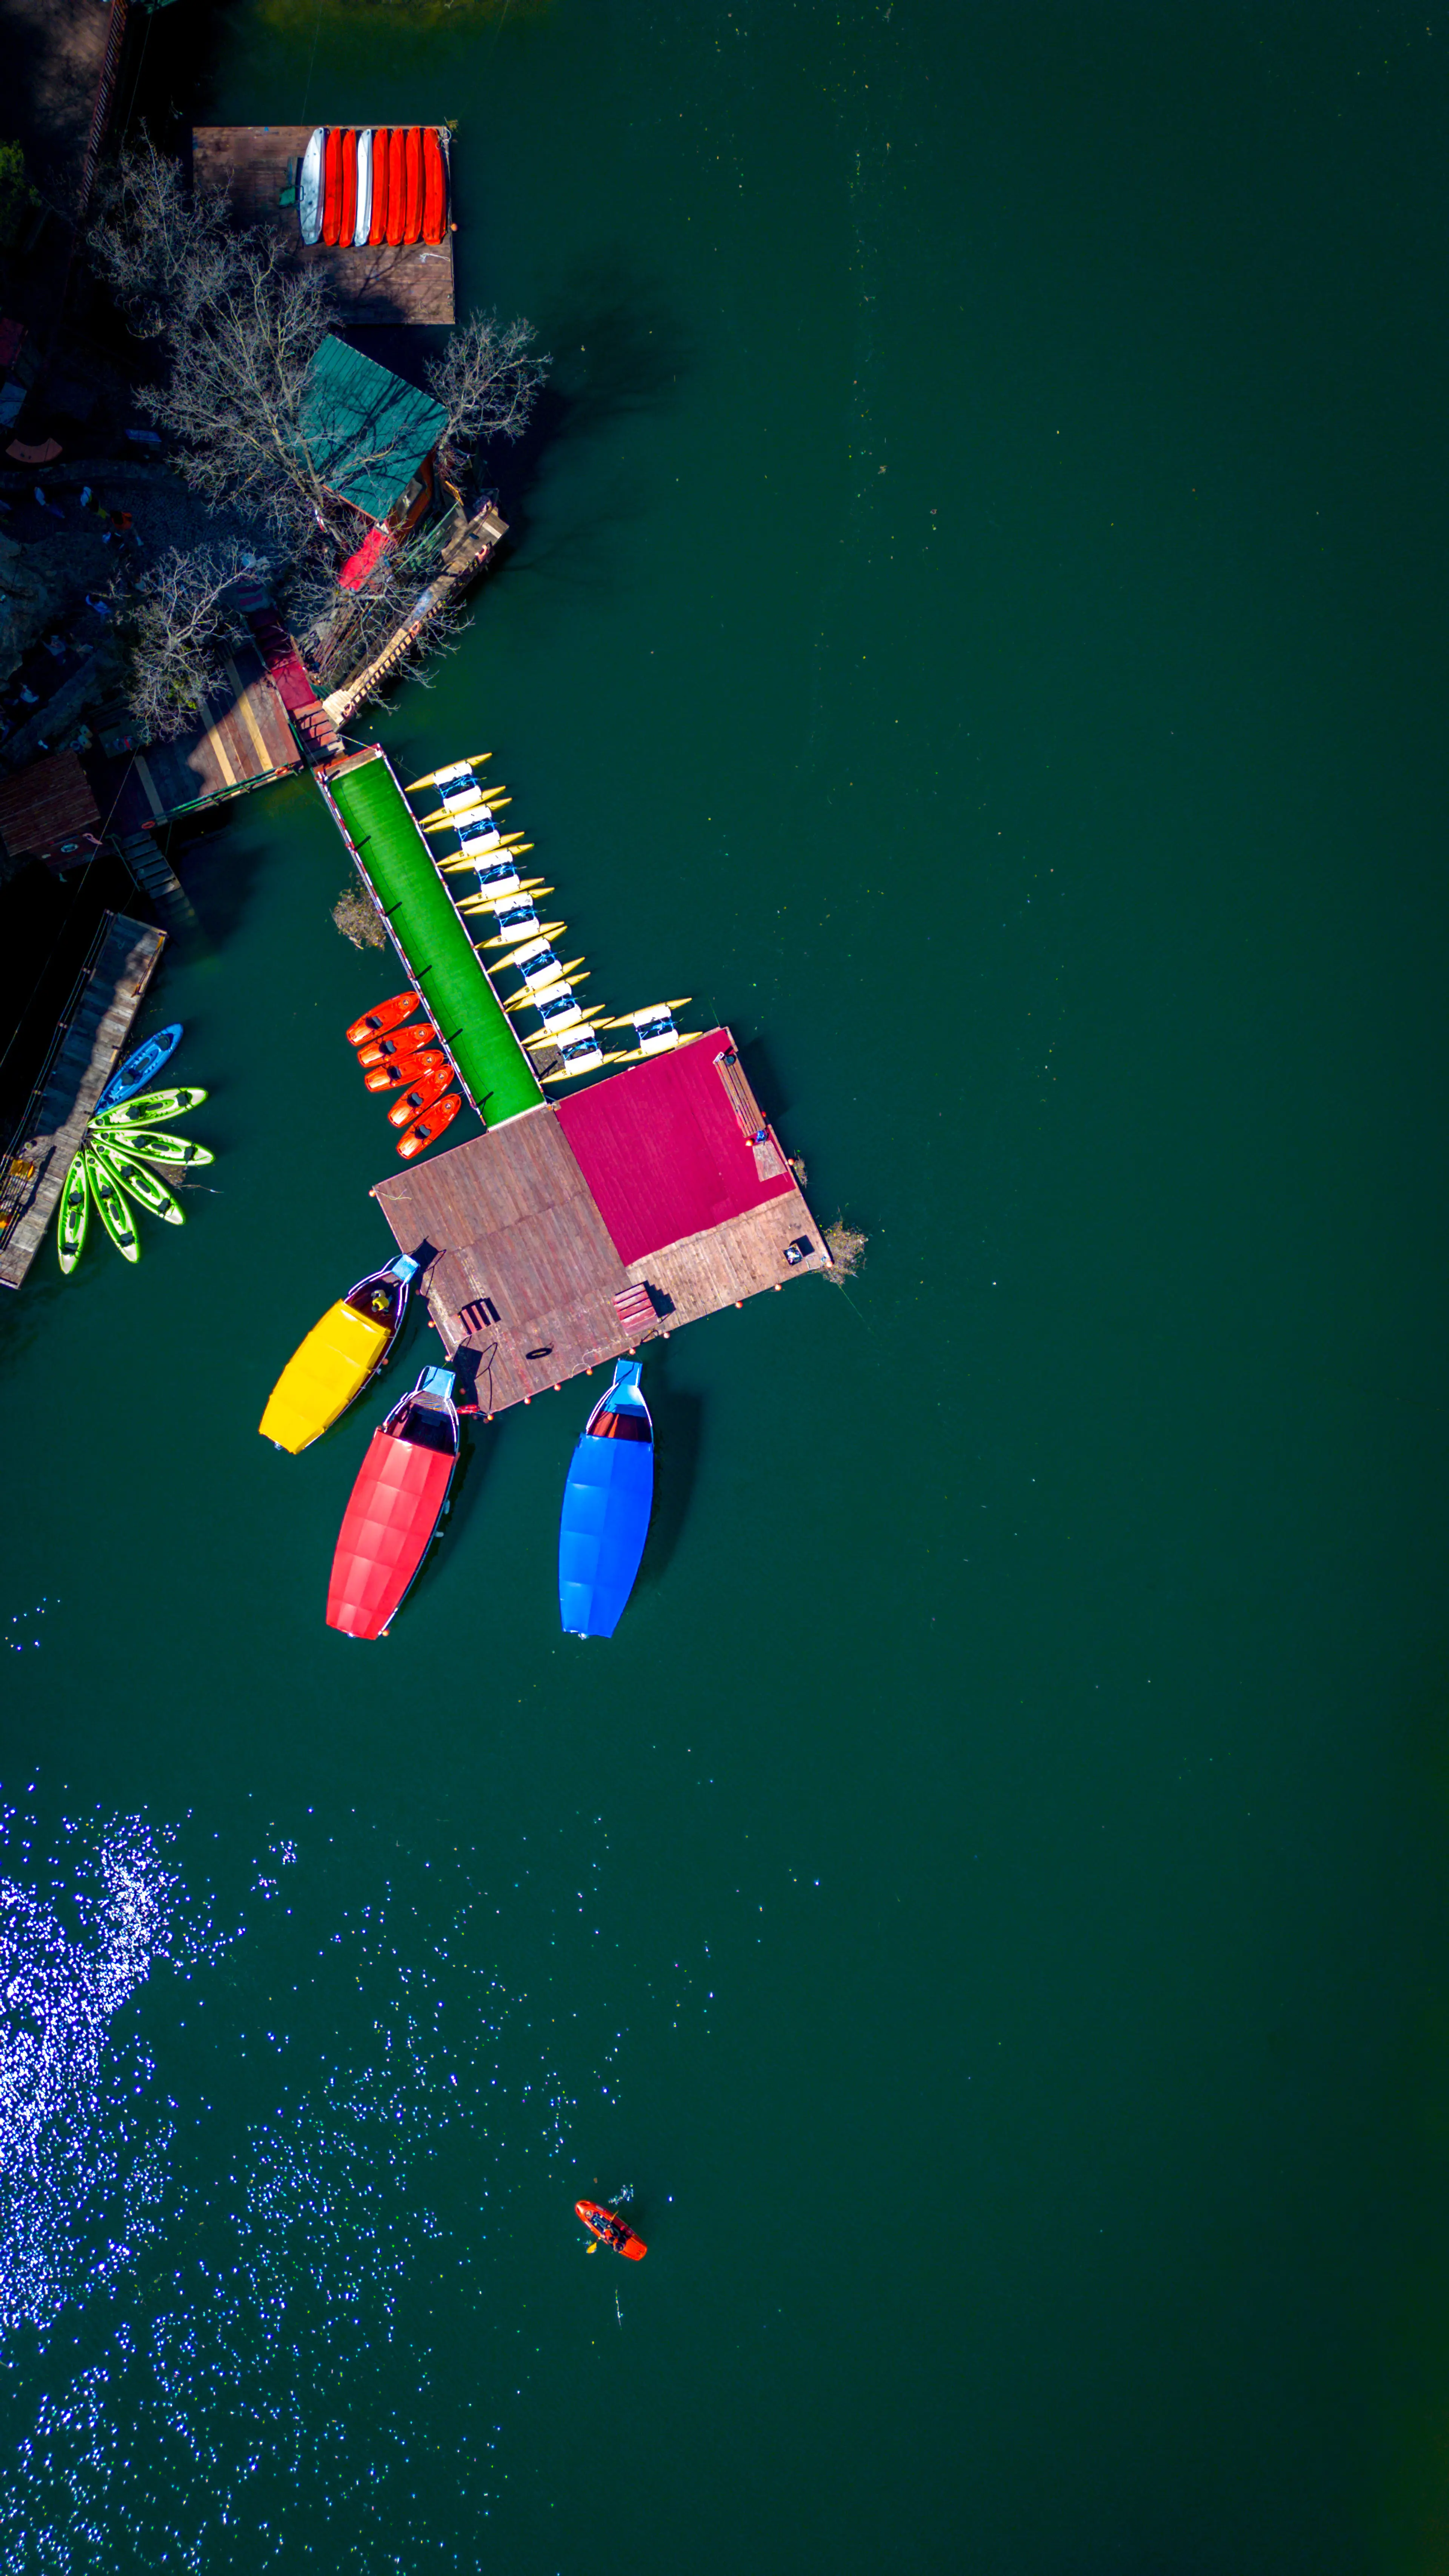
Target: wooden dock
x,y
524,1278
244,741
249,164
464,551
84,1054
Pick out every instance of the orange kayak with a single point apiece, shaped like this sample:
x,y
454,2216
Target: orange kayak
x,y
388,1015
332,188
383,1049
347,220
435,194
397,185
421,1094
611,2229
427,1129
407,1068
414,225
377,231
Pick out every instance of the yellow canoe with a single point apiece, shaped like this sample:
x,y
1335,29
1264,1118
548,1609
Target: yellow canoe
x,y
334,1363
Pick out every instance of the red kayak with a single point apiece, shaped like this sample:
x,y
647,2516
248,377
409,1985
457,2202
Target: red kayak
x,y
394,1507
332,187
435,188
388,1015
421,1094
409,1068
397,184
414,224
377,230
347,222
427,1129
611,2229
404,1043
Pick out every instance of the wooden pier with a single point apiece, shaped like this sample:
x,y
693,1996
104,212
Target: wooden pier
x,y
254,166
244,741
464,551
550,1243
85,1051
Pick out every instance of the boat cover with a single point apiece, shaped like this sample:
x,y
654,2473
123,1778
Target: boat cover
x,y
390,1517
605,1520
322,1377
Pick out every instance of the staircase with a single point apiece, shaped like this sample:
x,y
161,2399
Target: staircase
x,y
155,877
290,677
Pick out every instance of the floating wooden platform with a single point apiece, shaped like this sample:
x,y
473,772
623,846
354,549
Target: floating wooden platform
x,y
88,1046
245,741
249,165
525,1278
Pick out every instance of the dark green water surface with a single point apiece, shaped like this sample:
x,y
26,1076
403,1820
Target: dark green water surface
x,y
975,621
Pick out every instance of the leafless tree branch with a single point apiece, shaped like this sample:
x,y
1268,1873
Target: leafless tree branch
x,y
179,626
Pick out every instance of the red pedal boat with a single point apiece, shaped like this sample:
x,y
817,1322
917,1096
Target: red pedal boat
x,y
429,1086
406,1042
388,1015
427,1129
394,1507
611,2229
408,1068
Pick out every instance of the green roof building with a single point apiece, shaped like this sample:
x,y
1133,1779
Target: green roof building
x,y
369,435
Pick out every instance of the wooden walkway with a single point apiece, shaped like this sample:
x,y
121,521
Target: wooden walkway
x,y
521,1278
248,164
463,555
86,1049
245,741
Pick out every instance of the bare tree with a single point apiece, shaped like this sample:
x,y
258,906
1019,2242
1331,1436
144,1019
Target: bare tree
x,y
164,254
180,627
487,379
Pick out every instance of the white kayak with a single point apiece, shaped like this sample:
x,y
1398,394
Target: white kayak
x,y
363,225
309,187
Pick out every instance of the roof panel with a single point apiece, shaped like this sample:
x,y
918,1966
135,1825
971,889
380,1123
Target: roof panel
x,y
366,430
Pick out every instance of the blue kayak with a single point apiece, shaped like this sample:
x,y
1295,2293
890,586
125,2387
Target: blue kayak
x,y
139,1068
606,1504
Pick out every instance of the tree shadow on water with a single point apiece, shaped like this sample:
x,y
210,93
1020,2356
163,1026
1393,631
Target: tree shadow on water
x,y
678,1415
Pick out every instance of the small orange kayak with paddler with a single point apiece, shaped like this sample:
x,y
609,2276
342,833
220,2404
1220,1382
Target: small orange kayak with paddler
x,y
610,2229
407,1068
388,1015
406,1042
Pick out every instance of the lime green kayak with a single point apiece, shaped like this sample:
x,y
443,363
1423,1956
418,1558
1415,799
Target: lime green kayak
x,y
149,1107
75,1215
155,1144
143,1186
115,1215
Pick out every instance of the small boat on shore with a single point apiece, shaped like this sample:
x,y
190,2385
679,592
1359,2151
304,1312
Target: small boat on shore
x,y
309,188
114,1214
608,2228
387,1015
394,1508
435,188
139,1068
607,1500
427,1129
397,184
406,1068
332,187
406,1042
153,1145
347,215
363,223
149,1107
413,222
74,1220
138,1183
331,1367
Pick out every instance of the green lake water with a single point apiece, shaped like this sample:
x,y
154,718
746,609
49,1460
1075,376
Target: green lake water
x,y
974,620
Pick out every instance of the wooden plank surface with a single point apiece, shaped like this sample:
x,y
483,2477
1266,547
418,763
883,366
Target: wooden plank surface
x,y
98,1026
248,165
507,1221
245,740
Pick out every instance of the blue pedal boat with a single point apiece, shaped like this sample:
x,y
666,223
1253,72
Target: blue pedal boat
x,y
606,1506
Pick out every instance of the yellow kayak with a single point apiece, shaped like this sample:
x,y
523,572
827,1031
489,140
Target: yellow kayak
x,y
338,1357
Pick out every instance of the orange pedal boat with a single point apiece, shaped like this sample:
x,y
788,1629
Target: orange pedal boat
x,y
611,2229
388,1015
407,1068
406,1042
427,1129
429,1086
